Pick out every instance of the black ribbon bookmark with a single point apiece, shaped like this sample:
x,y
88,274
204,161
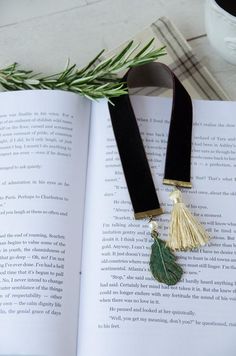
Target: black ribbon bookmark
x,y
185,232
130,146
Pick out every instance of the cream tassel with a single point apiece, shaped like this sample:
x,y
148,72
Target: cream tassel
x,y
185,232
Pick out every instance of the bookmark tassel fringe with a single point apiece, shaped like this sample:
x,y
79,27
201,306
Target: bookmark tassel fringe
x,y
185,231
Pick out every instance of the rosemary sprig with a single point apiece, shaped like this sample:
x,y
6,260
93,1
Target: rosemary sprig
x,y
94,81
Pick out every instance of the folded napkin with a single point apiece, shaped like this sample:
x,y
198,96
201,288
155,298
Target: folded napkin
x,y
180,58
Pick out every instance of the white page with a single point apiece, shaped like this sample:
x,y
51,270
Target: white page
x,y
124,311
43,160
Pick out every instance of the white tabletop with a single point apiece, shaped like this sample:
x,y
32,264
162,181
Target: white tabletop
x,y
42,34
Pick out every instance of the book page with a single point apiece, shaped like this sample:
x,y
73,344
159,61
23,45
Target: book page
x,y
43,160
124,311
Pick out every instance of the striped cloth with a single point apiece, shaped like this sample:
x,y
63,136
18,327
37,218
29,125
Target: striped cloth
x,y
180,58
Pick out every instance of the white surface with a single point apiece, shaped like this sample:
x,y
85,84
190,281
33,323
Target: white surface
x,y
42,34
221,30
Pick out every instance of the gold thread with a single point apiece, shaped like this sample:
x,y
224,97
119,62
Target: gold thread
x,y
185,231
148,213
178,183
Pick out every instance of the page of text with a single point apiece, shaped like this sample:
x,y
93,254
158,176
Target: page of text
x,y
43,160
123,309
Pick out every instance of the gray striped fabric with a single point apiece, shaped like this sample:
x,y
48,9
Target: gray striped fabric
x,y
181,59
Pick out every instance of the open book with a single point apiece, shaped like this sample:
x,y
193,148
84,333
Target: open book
x,y
74,264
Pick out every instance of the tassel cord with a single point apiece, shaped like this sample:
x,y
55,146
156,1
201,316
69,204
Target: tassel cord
x,y
185,232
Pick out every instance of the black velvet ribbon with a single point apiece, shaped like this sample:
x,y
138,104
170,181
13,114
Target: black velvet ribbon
x,y
129,142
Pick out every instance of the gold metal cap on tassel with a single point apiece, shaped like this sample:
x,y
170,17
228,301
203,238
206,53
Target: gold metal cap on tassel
x,y
185,231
